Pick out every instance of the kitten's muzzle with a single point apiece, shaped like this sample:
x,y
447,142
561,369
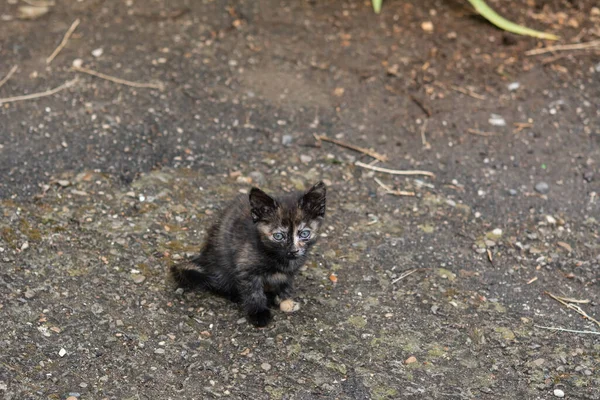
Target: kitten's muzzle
x,y
295,253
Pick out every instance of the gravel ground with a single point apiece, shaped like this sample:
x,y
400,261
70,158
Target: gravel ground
x,y
439,295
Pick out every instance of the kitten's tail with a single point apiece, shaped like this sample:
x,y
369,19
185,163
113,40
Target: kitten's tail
x,y
190,274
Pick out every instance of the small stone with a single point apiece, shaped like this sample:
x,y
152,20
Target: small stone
x,y
286,140
62,352
512,192
98,52
29,294
97,309
410,360
550,219
289,306
77,63
559,393
83,385
588,176
138,278
539,362
71,398
587,372
497,120
159,351
257,177
513,86
305,159
427,26
265,366
63,182
542,187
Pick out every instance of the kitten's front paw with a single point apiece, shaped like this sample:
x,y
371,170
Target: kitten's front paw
x,y
289,306
261,318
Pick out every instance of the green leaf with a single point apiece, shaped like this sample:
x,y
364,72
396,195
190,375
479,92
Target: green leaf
x,y
377,6
502,23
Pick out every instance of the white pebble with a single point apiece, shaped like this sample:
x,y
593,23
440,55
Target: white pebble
x,y
62,352
98,52
559,393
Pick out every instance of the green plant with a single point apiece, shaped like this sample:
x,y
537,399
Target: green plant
x,y
496,19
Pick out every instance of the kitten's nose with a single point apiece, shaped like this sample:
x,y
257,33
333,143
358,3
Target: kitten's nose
x,y
294,252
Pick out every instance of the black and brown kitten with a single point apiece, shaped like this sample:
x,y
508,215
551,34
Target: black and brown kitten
x,y
255,248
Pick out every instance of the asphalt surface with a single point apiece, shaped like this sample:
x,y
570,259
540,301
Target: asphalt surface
x,y
444,294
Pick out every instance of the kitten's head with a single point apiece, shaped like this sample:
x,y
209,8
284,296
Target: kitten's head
x,y
288,226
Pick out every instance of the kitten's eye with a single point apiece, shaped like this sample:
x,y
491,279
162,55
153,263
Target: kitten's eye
x,y
305,234
278,236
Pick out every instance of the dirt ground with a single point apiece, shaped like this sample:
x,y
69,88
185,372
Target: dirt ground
x,y
440,295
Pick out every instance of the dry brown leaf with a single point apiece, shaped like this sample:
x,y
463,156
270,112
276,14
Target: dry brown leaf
x,y
565,246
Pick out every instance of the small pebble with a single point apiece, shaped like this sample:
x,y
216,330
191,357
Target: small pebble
x,y
305,159
427,26
62,352
542,187
98,52
138,278
71,398
159,351
512,192
513,86
29,294
497,120
265,366
286,140
559,393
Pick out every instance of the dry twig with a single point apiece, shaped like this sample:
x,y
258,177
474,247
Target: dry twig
x,y
567,330
480,133
8,76
158,85
567,303
40,94
405,274
468,92
423,138
394,171
389,190
64,41
564,47
369,152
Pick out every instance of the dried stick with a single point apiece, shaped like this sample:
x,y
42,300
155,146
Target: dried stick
x,y
40,94
564,47
394,171
577,309
468,92
405,274
567,330
368,152
389,190
159,85
480,133
64,41
8,76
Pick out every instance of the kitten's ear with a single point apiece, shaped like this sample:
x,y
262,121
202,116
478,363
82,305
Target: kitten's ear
x,y
313,201
261,204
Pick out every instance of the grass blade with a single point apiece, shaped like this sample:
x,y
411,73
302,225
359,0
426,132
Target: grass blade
x,y
502,23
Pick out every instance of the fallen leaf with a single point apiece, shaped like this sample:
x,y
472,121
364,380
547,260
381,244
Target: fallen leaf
x,y
338,91
245,352
31,12
565,246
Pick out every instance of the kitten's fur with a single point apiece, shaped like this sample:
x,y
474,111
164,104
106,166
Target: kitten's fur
x,y
243,259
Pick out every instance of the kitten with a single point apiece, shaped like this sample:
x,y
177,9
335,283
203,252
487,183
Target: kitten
x,y
255,248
